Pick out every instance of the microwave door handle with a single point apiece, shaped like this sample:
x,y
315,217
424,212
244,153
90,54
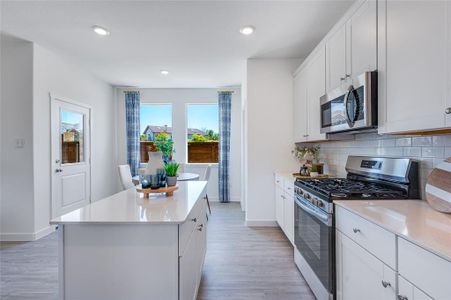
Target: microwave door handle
x,y
324,218
348,119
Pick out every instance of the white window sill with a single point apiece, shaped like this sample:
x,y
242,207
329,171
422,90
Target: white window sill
x,y
213,165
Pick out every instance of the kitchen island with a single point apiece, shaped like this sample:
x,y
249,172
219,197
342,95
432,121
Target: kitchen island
x,y
129,247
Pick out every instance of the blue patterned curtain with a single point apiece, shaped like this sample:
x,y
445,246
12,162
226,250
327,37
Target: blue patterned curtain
x,y
225,106
132,126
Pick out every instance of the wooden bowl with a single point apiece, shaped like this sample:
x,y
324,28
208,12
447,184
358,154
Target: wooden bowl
x,y
438,187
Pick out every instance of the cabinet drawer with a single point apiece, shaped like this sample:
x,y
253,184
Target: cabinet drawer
x,y
410,292
427,271
187,228
373,238
289,186
278,180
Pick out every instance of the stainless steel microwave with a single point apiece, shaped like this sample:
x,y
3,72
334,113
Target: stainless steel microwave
x,y
352,109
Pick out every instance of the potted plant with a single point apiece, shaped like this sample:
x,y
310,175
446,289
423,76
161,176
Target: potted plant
x,y
171,169
314,171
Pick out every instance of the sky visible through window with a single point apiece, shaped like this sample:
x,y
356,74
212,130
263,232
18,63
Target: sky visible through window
x,y
203,116
155,115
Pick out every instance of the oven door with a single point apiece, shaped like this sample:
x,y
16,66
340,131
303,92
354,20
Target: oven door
x,y
314,238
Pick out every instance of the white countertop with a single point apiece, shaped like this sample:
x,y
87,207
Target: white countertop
x,y
129,207
413,220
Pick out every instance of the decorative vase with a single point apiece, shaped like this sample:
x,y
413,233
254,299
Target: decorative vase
x,y
171,180
155,163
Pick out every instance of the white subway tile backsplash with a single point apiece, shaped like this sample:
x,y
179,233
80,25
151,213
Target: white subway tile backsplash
x,y
422,141
427,150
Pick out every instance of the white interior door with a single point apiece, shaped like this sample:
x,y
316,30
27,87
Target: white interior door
x,y
71,155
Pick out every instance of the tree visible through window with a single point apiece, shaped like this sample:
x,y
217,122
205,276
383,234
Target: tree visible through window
x,y
202,133
155,120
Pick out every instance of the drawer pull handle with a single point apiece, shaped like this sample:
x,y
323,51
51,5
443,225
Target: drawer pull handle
x,y
200,227
385,284
194,220
355,230
401,297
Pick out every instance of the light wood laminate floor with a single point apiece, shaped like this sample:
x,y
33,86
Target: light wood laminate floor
x,y
241,263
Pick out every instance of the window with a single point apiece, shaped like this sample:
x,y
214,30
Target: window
x,y
72,140
202,133
155,119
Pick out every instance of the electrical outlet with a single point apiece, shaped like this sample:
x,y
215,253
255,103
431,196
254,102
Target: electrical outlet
x,y
20,143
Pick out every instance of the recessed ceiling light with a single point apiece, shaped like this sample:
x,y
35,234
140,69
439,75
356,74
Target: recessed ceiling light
x,y
247,30
164,72
100,30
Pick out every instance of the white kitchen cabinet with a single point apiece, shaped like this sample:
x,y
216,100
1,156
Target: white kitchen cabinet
x,y
414,65
360,275
309,86
300,107
315,89
352,49
336,59
362,43
448,103
279,206
407,291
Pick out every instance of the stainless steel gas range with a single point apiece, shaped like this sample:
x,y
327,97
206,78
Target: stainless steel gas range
x,y
369,178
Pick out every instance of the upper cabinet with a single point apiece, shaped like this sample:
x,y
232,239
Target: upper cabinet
x,y
336,59
414,66
352,49
309,86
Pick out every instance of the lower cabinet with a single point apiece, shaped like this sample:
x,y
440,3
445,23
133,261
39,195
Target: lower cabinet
x,y
284,204
360,275
407,291
192,258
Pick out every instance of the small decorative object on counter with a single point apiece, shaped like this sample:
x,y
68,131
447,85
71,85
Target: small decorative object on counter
x,y
171,173
155,182
145,181
438,187
155,163
306,156
161,177
304,171
314,171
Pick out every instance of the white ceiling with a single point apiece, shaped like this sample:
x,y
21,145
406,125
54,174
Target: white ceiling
x,y
197,41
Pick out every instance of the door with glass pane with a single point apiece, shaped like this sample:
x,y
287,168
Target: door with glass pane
x,y
71,159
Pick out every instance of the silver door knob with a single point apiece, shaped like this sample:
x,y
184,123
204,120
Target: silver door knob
x,y
401,297
385,284
58,170
355,230
448,110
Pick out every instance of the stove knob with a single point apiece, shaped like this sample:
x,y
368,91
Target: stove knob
x,y
300,192
320,203
307,196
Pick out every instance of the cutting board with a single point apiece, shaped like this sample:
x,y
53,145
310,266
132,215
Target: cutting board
x,y
321,176
438,187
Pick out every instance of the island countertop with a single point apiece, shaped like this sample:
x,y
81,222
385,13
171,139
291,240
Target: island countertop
x,y
413,220
130,207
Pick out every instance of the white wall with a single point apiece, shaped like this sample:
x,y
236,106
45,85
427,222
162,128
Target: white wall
x,y
269,127
29,72
58,75
179,98
16,209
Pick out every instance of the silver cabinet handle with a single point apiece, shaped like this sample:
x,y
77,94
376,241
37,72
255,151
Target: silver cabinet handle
x,y
342,78
385,284
194,220
448,110
401,297
58,170
200,227
348,75
355,230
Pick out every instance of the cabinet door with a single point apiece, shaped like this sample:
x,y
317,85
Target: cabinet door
x,y
415,65
315,89
289,217
360,275
448,104
279,206
189,269
336,59
363,39
407,291
300,107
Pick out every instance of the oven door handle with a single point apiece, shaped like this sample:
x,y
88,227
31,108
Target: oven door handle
x,y
323,217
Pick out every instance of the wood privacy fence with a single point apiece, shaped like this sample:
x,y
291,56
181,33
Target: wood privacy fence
x,y
198,152
203,152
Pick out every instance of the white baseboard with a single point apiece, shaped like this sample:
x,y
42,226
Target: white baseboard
x,y
216,199
26,237
261,223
